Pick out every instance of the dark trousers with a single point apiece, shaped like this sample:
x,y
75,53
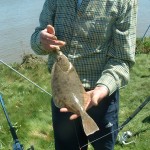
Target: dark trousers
x,y
69,135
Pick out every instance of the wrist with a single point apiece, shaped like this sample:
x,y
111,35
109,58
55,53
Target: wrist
x,y
99,93
103,89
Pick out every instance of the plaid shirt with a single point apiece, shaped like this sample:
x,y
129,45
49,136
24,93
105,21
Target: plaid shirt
x,y
100,37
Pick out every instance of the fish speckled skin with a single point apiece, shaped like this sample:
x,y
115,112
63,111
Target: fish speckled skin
x,y
68,91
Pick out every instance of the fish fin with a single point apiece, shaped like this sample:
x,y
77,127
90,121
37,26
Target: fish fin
x,y
89,124
86,99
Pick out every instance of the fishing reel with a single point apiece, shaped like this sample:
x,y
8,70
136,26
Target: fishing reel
x,y
126,135
18,146
124,138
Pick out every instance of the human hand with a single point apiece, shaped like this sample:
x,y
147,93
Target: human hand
x,y
95,96
98,94
49,41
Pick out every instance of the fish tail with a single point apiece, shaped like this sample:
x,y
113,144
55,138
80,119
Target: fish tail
x,y
89,124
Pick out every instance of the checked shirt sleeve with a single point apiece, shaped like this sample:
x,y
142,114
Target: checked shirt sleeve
x,y
122,49
46,17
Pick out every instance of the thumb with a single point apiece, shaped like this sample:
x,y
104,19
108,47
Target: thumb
x,y
50,29
95,98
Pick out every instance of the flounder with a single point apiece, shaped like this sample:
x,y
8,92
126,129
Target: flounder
x,y
68,91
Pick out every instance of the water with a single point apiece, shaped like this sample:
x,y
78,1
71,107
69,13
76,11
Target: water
x,y
18,19
143,20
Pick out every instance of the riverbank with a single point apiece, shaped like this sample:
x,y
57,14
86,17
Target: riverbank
x,y
30,112
19,19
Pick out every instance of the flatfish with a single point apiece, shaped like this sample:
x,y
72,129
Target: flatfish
x,y
68,91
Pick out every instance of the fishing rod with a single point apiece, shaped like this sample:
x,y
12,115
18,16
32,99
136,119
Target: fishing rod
x,y
16,144
143,37
128,134
25,77
134,113
125,134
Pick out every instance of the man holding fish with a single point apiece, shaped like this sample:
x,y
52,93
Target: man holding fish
x,y
91,46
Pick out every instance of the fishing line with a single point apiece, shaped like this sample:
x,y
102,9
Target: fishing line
x,y
51,94
25,78
76,134
122,126
100,138
147,100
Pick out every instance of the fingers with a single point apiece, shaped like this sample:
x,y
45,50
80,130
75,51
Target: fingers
x,y
64,110
95,98
99,93
45,35
49,40
50,29
72,117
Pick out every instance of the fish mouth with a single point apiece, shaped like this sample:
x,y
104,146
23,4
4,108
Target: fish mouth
x,y
59,54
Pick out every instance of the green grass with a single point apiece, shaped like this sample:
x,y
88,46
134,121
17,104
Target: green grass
x,y
29,108
143,45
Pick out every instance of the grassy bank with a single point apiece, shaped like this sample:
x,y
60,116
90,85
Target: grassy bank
x,y
29,108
